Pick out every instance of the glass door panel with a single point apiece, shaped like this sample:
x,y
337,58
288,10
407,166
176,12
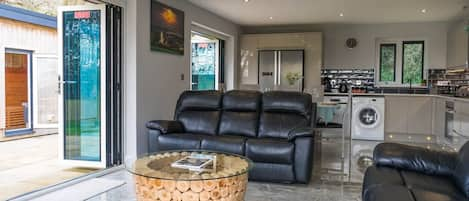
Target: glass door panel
x,y
204,62
83,79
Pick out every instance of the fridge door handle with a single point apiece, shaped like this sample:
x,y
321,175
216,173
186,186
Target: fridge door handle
x,y
275,68
279,64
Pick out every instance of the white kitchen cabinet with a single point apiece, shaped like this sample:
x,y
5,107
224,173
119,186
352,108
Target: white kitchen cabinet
x,y
395,120
409,115
439,118
419,115
461,117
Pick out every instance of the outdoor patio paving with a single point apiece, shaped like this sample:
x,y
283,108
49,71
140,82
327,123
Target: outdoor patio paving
x,y
32,163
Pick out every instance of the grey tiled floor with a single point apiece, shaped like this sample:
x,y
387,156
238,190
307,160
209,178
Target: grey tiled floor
x,y
327,184
335,178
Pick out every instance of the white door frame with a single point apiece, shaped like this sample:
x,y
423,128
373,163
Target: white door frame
x,y
94,164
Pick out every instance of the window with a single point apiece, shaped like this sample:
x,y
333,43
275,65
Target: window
x,y
387,64
412,62
400,62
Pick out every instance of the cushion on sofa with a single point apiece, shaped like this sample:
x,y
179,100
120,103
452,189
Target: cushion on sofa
x,y
279,125
272,172
203,122
289,102
283,112
178,141
381,175
438,184
270,150
198,100
388,193
230,144
427,195
199,111
240,114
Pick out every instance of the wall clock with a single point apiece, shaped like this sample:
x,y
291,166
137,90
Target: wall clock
x,y
351,43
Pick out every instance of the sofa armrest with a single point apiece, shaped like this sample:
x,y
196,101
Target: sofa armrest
x,y
430,162
165,126
300,132
304,154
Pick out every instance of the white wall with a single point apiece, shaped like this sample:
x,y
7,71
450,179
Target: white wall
x,y
457,44
153,81
336,55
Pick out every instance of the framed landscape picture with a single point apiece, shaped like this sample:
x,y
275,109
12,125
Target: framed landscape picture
x,y
167,29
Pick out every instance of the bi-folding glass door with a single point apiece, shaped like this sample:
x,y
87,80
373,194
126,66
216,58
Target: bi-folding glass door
x,y
82,85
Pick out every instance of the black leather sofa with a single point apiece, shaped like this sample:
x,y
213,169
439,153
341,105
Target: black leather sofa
x,y
408,173
272,129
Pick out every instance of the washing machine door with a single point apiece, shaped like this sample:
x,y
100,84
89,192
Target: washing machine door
x,y
368,117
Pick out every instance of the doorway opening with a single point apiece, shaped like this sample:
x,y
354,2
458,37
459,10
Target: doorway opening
x,y
207,58
18,94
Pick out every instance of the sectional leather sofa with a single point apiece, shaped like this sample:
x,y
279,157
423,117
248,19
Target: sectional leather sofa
x,y
272,129
408,173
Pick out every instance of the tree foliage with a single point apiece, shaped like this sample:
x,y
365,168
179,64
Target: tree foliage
x,y
48,7
413,63
387,60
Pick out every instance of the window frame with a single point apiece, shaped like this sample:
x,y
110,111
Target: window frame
x,y
403,55
380,63
399,60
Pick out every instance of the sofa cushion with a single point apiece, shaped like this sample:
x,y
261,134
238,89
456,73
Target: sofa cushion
x,y
279,125
288,102
202,122
270,150
388,193
437,184
272,172
177,141
198,100
426,195
240,115
230,144
238,100
283,112
199,111
461,171
381,175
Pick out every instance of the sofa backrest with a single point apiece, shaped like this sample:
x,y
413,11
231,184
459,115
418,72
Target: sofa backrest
x,y
461,171
199,111
283,111
240,113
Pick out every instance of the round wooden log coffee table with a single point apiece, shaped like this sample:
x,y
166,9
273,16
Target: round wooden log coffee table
x,y
155,179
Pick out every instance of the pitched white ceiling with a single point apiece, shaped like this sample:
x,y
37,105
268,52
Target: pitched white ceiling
x,y
258,12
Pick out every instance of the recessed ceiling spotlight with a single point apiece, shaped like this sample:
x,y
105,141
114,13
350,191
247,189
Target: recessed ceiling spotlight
x,y
423,10
271,18
245,1
341,14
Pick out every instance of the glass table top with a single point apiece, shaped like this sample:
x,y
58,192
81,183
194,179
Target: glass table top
x,y
158,165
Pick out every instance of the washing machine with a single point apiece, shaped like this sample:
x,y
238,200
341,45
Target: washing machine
x,y
368,118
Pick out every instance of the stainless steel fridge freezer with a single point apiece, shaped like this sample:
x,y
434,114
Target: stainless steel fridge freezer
x,y
281,70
